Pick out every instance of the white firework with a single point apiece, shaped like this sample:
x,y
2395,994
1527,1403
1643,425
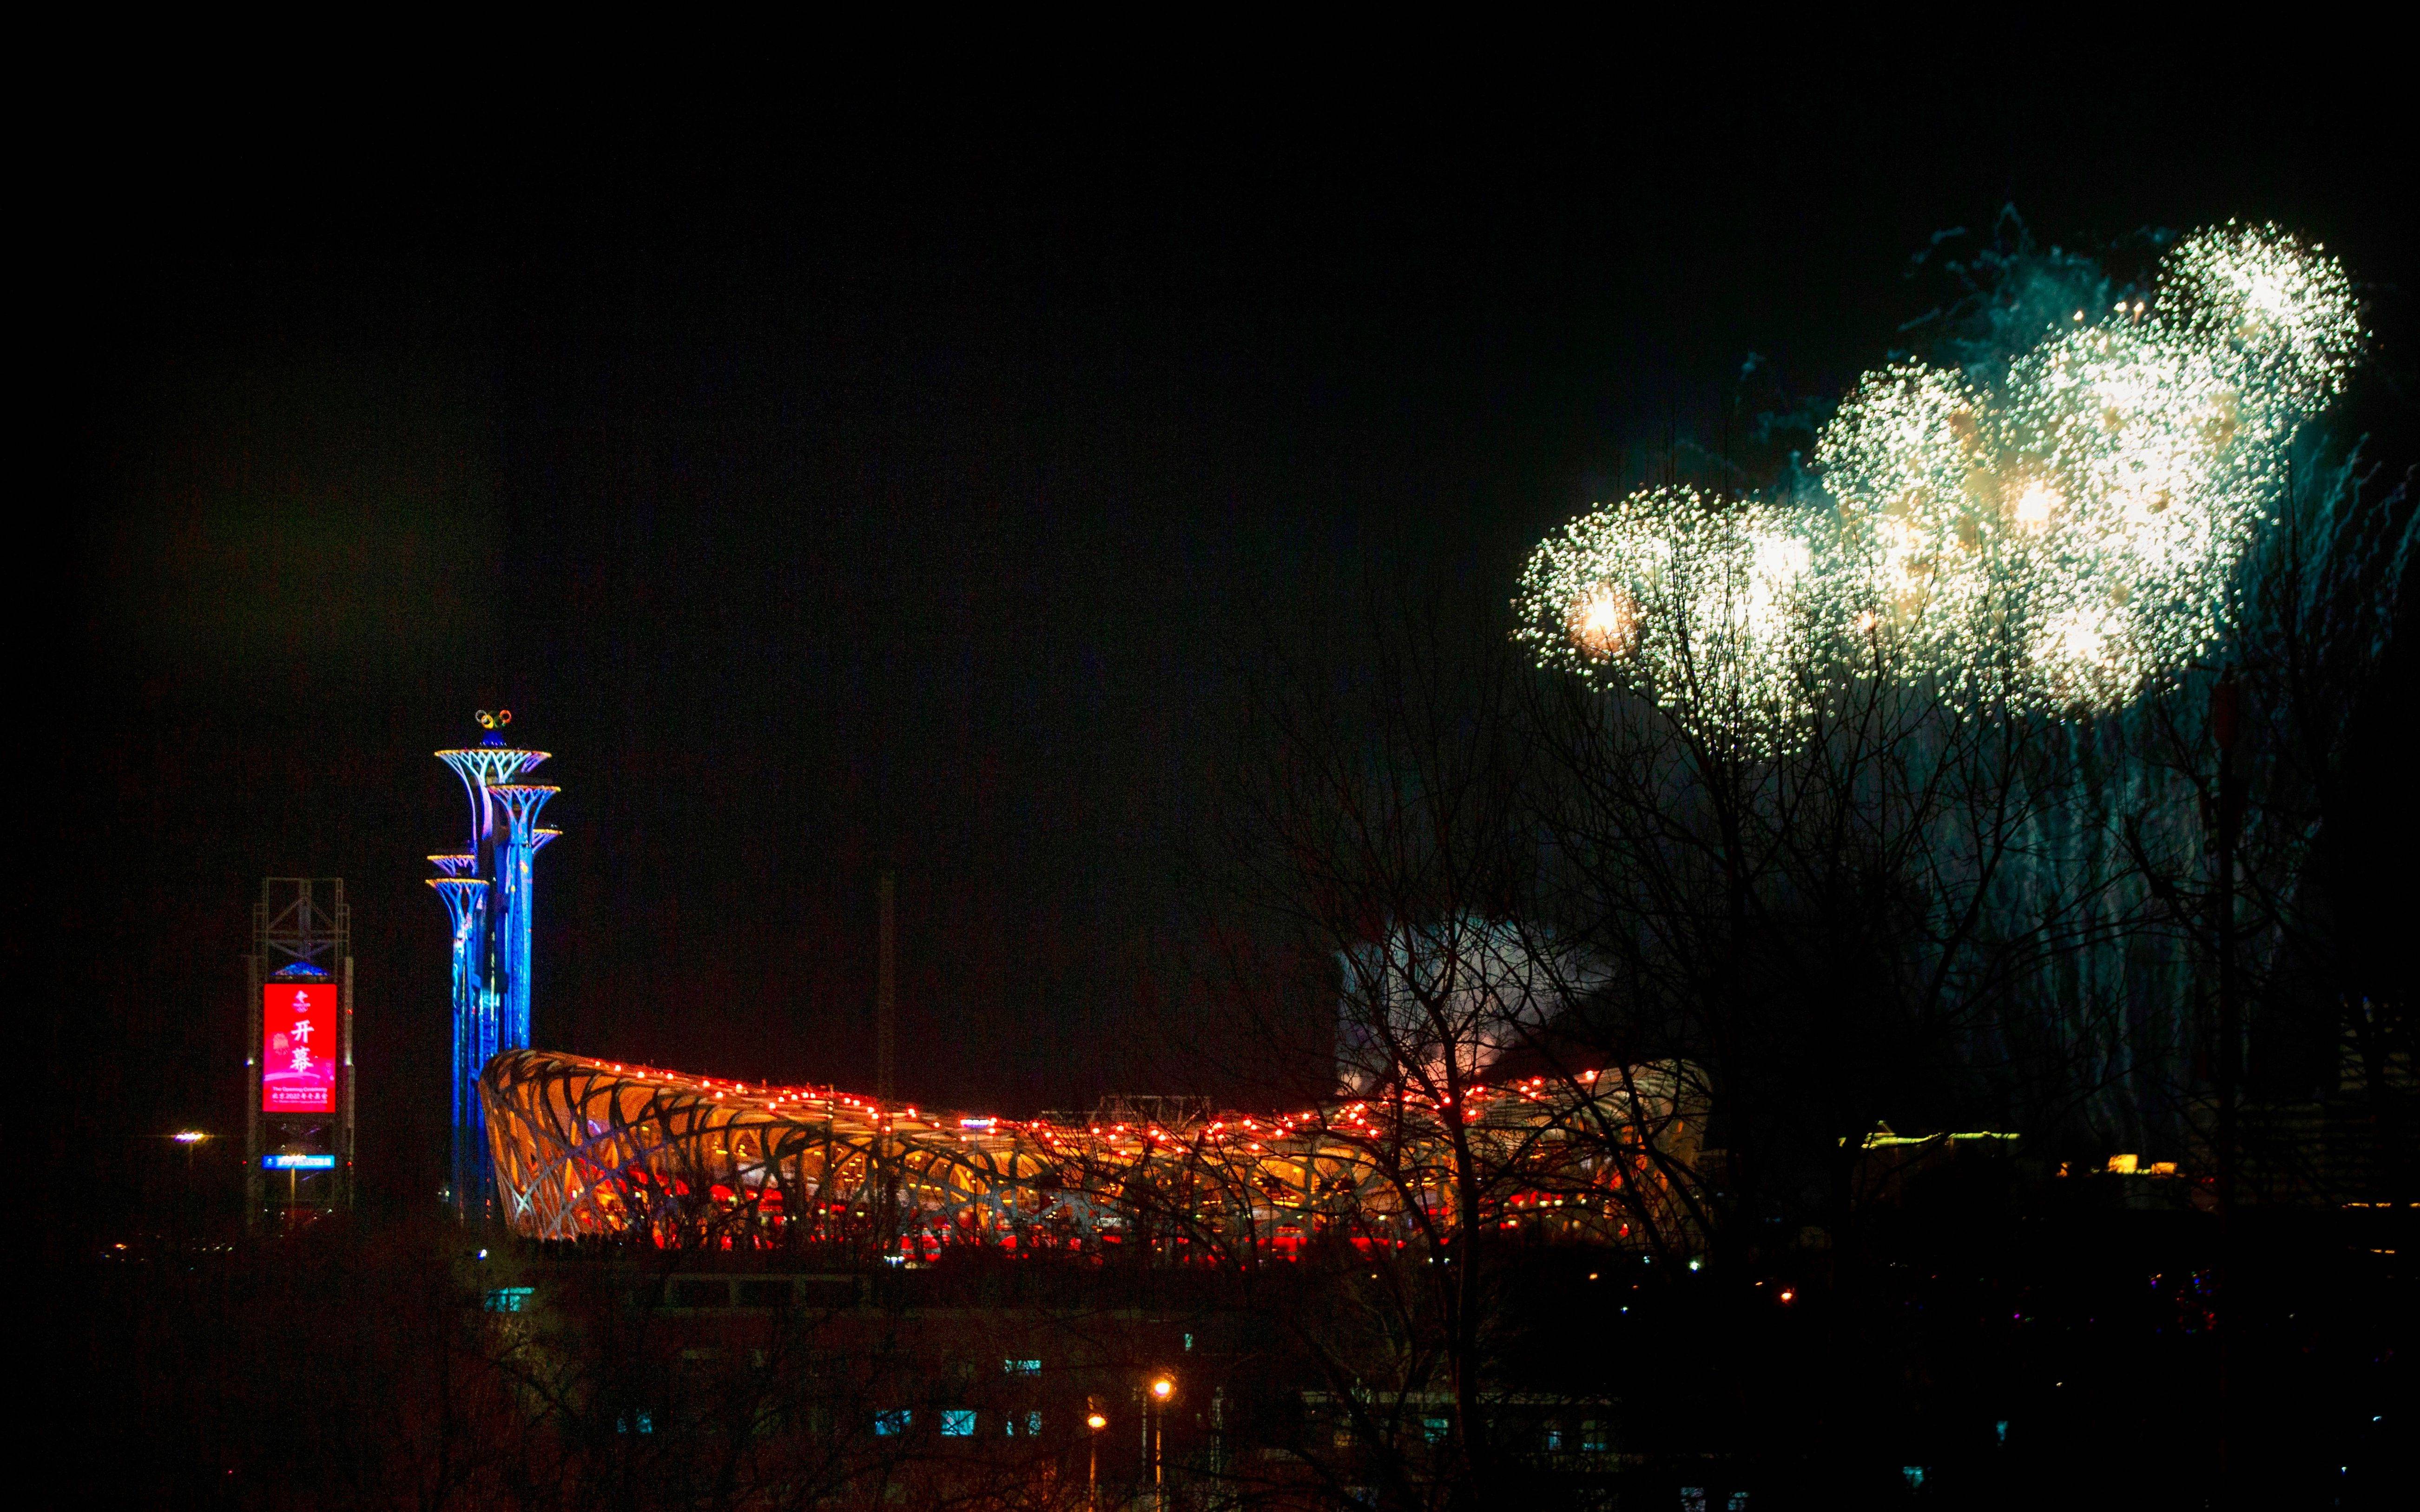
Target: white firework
x,y
2057,538
1705,604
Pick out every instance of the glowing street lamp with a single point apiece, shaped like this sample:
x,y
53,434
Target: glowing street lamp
x,y
1096,1422
191,1139
1162,1388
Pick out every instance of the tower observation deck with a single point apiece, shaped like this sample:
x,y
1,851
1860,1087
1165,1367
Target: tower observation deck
x,y
490,894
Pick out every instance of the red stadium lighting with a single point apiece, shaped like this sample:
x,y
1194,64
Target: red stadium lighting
x,y
983,1179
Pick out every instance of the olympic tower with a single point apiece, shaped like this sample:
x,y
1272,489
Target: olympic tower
x,y
490,896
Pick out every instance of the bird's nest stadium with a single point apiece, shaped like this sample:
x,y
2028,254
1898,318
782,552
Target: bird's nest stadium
x,y
592,1150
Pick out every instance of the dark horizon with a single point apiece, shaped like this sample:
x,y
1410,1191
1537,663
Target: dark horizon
x,y
827,497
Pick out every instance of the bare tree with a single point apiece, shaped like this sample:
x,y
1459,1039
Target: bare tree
x,y
1833,920
2235,824
1381,846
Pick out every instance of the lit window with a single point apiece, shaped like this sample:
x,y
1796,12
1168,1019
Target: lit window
x,y
506,1299
1022,1367
957,1423
1435,1429
1033,1425
1593,1438
889,1422
1554,1440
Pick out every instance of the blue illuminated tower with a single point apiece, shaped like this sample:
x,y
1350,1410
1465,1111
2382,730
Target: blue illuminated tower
x,y
516,805
489,897
466,904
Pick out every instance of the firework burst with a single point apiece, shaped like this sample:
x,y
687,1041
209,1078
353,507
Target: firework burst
x,y
2056,538
1703,604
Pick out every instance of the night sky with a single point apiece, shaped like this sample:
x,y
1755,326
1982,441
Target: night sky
x,y
834,488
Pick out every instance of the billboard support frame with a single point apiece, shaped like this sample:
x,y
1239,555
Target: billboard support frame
x,y
302,931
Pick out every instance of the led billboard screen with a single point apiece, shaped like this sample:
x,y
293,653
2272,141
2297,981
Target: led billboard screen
x,y
298,1047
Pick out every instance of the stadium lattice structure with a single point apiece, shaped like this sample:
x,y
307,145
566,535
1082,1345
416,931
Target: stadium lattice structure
x,y
593,1150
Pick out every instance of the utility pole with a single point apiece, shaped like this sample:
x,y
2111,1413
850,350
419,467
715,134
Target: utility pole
x,y
886,1017
2225,711
2225,706
886,997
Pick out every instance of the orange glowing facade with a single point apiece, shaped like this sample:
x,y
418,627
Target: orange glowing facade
x,y
591,1149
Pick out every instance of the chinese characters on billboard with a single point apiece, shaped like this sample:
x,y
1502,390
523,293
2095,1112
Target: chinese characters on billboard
x,y
298,1047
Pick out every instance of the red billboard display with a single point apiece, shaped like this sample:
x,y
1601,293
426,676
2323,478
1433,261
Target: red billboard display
x,y
298,1047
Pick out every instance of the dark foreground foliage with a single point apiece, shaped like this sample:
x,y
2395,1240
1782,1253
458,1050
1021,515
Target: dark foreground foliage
x,y
1995,1339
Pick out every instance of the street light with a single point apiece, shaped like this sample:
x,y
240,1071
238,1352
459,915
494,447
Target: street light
x,y
193,1140
1093,1420
1162,1388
